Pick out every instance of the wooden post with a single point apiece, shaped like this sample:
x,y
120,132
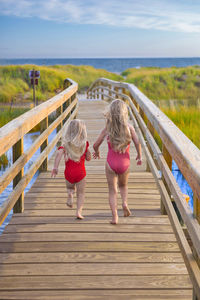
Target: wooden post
x,y
124,99
43,127
168,160
194,296
110,91
116,92
152,131
196,207
102,90
59,111
17,152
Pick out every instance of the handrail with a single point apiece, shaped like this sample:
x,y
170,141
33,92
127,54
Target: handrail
x,y
17,128
179,148
11,135
183,151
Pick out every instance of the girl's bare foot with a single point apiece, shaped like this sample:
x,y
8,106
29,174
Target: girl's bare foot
x,y
70,200
114,220
79,216
126,210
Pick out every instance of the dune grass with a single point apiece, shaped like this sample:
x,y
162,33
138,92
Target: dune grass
x,y
187,119
7,114
15,82
166,83
175,90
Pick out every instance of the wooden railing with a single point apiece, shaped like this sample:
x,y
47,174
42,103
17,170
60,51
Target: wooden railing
x,y
64,108
149,121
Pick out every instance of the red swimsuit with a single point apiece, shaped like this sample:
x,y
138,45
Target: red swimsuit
x,y
75,170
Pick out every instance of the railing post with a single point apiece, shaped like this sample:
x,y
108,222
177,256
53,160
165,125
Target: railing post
x,y
97,93
196,207
116,92
110,91
152,131
194,296
43,127
59,111
17,152
102,91
168,160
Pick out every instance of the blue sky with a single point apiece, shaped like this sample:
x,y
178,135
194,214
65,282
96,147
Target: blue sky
x,y
93,28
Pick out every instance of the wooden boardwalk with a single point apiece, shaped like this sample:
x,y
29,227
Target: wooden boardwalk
x,y
45,253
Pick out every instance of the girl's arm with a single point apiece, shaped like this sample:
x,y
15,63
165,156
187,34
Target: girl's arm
x,y
137,145
98,142
58,157
88,155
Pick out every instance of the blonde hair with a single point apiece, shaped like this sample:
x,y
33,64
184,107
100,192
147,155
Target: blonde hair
x,y
74,139
117,125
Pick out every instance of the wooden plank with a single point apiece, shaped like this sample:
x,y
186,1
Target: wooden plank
x,y
94,282
27,247
63,269
92,195
88,228
90,257
75,236
94,189
99,175
23,220
92,212
111,294
87,206
97,202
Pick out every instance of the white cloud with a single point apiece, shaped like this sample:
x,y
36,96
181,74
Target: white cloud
x,y
159,15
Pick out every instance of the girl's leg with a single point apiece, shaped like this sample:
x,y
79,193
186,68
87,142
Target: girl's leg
x,y
123,187
112,187
80,191
70,192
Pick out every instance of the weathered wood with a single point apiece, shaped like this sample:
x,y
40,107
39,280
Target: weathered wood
x,y
70,246
186,157
17,128
196,208
47,253
94,269
90,257
17,152
7,177
111,294
43,127
95,282
88,228
183,207
59,112
7,206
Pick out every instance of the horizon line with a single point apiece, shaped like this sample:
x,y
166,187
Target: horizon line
x,y
135,57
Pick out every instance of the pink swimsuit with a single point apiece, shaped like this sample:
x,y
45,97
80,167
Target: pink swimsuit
x,y
118,162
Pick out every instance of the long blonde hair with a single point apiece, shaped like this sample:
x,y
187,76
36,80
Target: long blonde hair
x,y
117,125
74,139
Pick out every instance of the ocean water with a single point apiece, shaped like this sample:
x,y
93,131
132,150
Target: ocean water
x,y
116,65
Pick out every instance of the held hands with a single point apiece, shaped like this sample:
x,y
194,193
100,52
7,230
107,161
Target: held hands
x,y
54,172
96,155
139,160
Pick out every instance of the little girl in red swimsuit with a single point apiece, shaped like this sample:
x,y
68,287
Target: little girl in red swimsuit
x,y
119,135
75,150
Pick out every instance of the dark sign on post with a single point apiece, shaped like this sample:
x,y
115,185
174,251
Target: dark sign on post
x,y
34,75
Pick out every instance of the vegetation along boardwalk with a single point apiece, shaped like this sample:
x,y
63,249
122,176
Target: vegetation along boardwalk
x,y
45,253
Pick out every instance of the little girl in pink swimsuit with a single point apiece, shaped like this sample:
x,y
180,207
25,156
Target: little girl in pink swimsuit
x,y
119,135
